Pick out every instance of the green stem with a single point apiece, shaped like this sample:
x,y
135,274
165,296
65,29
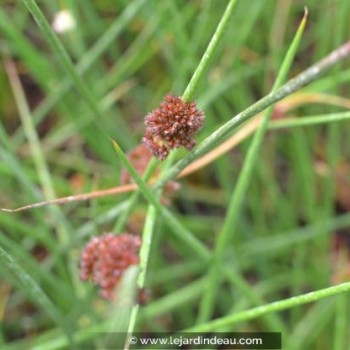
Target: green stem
x,y
132,200
147,237
309,121
228,321
209,52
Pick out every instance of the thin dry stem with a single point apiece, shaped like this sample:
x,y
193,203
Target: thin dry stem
x,y
76,198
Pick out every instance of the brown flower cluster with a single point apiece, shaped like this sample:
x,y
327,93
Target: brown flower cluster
x,y
105,259
172,125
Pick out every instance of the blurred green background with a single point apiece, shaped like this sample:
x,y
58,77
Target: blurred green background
x,y
294,229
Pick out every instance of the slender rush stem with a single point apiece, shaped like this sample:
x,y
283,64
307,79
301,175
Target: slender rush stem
x,y
228,321
147,236
209,52
134,197
309,120
225,130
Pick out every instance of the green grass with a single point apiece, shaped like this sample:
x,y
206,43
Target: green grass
x,y
248,242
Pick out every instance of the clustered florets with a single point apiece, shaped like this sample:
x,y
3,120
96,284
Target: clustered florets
x,y
105,259
172,125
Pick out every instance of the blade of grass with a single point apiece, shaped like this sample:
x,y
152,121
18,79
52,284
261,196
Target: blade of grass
x,y
210,51
147,234
309,120
280,305
132,201
233,211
